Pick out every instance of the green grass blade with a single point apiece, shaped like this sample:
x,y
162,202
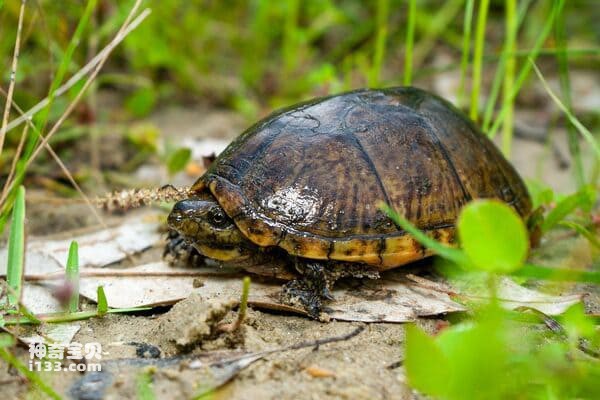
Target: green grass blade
x,y
144,385
73,275
290,37
24,311
466,50
582,129
582,52
583,231
410,38
509,76
498,77
69,317
16,249
256,50
244,298
30,375
478,58
435,27
380,40
581,199
102,307
565,88
524,72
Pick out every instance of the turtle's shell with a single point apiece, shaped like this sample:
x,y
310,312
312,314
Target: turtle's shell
x,y
309,178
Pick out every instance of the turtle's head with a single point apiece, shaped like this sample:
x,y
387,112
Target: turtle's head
x,y
203,223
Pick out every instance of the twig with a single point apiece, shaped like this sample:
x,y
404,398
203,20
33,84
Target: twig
x,y
297,346
427,284
15,160
13,72
102,272
320,342
556,328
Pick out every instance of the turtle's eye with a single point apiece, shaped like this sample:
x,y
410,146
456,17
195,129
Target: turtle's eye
x,y
218,218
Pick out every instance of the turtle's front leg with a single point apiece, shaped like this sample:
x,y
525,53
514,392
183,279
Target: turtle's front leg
x,y
308,291
178,251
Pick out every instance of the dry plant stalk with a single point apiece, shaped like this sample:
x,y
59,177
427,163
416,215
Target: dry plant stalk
x,y
135,198
13,72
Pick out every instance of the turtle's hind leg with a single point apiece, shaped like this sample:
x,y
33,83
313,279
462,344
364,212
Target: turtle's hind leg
x,y
316,282
308,291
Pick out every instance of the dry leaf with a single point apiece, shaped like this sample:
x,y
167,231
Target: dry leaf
x,y
103,247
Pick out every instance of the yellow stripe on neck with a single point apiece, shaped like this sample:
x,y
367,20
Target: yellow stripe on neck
x,y
221,254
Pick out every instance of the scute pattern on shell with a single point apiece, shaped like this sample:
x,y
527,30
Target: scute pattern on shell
x,y
310,178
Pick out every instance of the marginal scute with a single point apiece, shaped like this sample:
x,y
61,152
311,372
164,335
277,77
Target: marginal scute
x,y
357,250
310,178
305,246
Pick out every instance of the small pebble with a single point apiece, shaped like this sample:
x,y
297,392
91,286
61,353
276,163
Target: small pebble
x,y
318,372
197,282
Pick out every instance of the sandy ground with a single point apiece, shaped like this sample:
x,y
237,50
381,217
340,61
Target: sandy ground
x,y
367,366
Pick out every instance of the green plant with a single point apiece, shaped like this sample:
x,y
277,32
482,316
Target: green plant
x,y
8,341
72,272
562,57
102,306
478,58
382,15
144,384
491,355
557,8
587,135
410,33
492,236
466,50
16,249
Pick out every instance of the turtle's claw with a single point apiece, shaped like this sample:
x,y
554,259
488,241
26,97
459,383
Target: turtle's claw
x,y
326,294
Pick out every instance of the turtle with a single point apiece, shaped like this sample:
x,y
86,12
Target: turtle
x,y
296,196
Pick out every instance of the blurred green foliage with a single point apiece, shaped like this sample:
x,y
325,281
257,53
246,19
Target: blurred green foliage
x,y
492,354
249,54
